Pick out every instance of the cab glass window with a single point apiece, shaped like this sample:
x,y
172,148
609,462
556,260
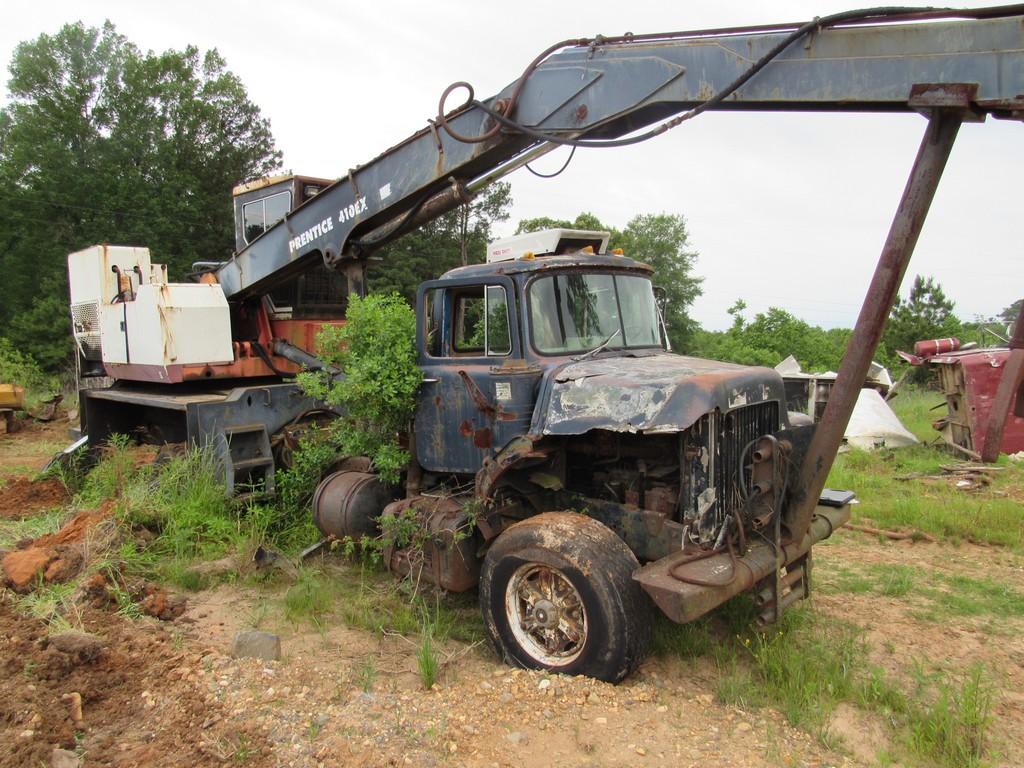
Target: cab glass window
x,y
480,321
578,311
260,215
433,307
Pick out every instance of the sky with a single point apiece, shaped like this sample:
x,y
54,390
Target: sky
x,y
787,210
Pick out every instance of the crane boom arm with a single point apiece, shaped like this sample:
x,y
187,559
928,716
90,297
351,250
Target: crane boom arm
x,y
603,89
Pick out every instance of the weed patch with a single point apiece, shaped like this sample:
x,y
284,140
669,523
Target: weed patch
x,y
989,515
951,728
936,596
310,598
13,531
426,658
807,665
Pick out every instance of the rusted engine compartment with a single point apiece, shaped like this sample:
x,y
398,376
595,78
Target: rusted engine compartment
x,y
697,478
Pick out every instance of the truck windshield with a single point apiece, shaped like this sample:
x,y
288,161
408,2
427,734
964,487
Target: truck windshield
x,y
577,311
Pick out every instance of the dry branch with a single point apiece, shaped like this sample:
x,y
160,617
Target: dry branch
x,y
895,535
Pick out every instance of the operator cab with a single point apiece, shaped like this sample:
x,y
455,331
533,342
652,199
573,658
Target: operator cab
x,y
317,293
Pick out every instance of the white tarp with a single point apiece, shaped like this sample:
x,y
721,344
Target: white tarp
x,y
874,425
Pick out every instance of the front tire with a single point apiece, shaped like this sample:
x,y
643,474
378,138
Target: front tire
x,y
557,593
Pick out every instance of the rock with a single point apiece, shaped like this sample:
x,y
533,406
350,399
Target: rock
x,y
78,644
74,700
743,726
545,683
251,643
518,737
65,567
22,566
62,758
161,604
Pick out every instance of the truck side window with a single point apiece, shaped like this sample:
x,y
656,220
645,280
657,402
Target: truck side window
x,y
260,215
480,321
468,323
433,307
499,341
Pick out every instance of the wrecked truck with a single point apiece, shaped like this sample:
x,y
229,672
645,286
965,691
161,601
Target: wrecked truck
x,y
613,472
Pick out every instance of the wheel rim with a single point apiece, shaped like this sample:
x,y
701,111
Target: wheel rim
x,y
546,614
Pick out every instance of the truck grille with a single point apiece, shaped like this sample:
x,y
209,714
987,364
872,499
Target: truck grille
x,y
737,429
711,455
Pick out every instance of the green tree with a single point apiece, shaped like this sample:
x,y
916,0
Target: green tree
x,y
457,238
926,313
1009,315
660,240
102,143
771,337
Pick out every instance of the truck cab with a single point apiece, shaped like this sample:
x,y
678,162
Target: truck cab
x,y
553,353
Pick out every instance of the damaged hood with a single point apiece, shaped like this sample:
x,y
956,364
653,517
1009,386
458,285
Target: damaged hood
x,y
655,393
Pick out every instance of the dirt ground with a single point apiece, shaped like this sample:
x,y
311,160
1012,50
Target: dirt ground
x,y
157,693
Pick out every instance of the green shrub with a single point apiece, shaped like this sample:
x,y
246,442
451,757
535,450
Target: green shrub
x,y
376,350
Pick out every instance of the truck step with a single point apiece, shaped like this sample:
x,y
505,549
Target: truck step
x,y
244,429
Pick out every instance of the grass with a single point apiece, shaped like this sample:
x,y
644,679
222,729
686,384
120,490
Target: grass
x,y
13,531
953,728
810,663
914,406
51,603
369,598
935,596
803,668
937,508
310,598
426,657
366,674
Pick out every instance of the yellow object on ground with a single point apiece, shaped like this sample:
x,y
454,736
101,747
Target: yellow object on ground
x,y
12,396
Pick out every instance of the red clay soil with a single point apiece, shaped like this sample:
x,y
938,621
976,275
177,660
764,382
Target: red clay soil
x,y
57,556
141,703
21,497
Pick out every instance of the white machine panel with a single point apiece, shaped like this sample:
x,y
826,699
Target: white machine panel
x,y
91,275
168,324
547,241
94,283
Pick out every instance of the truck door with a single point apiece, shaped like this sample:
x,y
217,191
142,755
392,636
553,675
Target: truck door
x,y
466,332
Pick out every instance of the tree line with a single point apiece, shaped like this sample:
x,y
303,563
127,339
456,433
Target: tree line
x,y
104,143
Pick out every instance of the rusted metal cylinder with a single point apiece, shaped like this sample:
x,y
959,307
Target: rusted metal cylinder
x,y
348,503
934,347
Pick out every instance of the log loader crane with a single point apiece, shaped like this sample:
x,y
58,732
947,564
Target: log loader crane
x,y
608,474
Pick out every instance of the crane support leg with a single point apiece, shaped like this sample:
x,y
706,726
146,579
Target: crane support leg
x,y
943,125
